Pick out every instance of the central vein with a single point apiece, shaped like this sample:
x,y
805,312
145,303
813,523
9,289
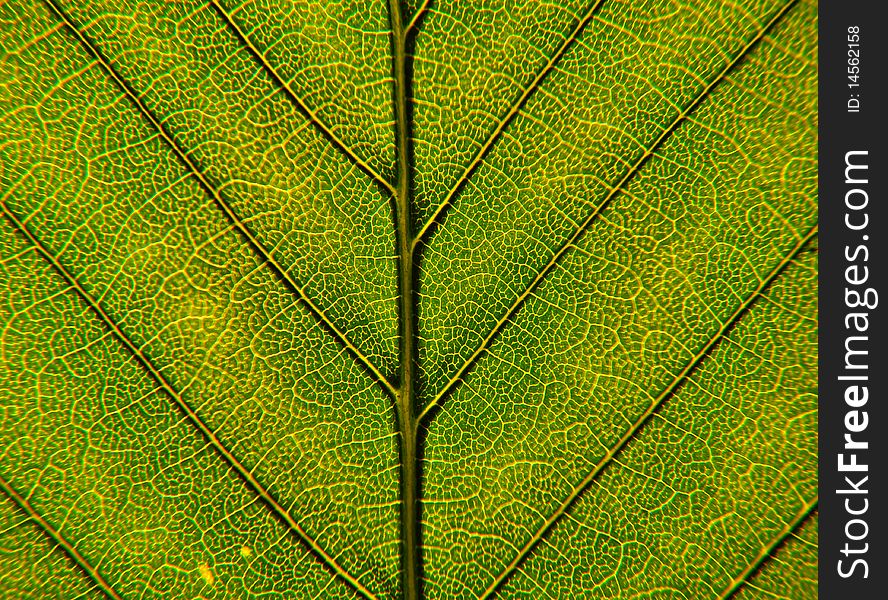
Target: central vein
x,y
410,550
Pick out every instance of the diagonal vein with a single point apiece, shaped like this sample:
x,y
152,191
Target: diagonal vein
x,y
636,166
59,539
767,550
270,501
297,99
417,16
507,118
208,187
631,432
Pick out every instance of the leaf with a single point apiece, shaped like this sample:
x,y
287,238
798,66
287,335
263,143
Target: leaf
x,y
792,573
381,300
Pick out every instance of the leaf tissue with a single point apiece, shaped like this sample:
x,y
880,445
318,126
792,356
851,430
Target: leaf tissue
x,y
381,299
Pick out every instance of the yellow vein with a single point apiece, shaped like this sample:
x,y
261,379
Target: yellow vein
x,y
507,118
630,433
192,416
544,272
312,115
766,552
222,203
59,539
416,17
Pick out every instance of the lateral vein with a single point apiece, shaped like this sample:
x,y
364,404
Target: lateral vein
x,y
59,539
414,21
631,432
211,190
767,551
186,409
507,118
300,103
553,260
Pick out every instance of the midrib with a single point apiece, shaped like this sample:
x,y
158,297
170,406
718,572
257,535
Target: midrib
x,y
407,422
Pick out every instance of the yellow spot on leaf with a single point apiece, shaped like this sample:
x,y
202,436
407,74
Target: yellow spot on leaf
x,y
246,552
206,573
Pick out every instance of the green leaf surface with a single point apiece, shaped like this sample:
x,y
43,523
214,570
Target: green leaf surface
x,y
31,566
399,300
792,572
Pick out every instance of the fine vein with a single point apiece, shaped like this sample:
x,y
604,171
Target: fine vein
x,y
192,416
59,539
312,115
768,550
636,166
202,179
631,432
507,118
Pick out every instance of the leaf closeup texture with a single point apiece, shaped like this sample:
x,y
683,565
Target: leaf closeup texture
x,y
269,270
